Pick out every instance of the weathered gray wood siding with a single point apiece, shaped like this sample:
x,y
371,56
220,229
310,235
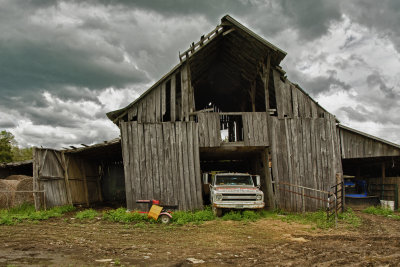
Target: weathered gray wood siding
x,y
292,102
255,129
162,161
209,129
65,178
48,176
152,107
354,145
305,152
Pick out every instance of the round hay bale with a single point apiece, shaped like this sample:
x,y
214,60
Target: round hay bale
x,y
24,197
7,198
17,177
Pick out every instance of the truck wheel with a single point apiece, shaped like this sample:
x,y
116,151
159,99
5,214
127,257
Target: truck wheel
x,y
217,211
165,218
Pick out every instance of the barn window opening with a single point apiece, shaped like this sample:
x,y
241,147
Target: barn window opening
x,y
178,97
167,115
231,128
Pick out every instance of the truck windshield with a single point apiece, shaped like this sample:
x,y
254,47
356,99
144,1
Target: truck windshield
x,y
233,180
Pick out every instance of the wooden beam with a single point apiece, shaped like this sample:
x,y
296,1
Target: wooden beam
x,y
66,177
266,81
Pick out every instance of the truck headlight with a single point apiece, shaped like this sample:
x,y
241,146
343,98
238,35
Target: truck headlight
x,y
218,197
259,197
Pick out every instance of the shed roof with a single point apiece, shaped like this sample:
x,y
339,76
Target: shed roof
x,y
368,136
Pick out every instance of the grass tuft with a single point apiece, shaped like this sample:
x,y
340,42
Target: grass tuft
x,y
89,214
120,215
381,211
27,212
184,217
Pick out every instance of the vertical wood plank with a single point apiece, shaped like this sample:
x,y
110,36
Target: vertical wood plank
x,y
173,97
190,155
125,156
198,181
161,168
183,204
155,161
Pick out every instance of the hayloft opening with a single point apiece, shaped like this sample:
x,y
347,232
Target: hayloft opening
x,y
228,73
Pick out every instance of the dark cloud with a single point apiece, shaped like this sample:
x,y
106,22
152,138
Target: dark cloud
x,y
320,84
312,18
375,79
382,17
57,57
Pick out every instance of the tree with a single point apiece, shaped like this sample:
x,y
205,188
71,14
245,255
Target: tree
x,y
6,144
9,150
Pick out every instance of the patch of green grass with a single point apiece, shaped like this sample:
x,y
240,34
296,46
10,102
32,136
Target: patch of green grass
x,y
184,217
320,219
381,211
27,212
378,211
89,214
120,215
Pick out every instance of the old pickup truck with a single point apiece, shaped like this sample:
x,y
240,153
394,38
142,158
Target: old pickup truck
x,y
234,191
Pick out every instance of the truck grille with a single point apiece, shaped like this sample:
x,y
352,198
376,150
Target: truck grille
x,y
239,197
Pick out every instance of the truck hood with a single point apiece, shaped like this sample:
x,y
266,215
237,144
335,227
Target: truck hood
x,y
237,189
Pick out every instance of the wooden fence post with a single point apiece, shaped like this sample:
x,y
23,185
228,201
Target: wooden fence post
x,y
302,200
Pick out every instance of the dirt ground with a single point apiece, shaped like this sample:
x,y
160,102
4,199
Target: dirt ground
x,y
69,242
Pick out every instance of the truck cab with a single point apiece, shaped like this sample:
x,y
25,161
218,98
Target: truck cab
x,y
234,191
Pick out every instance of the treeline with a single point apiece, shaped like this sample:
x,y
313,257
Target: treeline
x,y
10,151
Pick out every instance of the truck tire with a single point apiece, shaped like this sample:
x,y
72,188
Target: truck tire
x,y
217,211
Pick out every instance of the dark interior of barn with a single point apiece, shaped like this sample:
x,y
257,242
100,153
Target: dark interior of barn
x,y
107,158
234,159
226,71
379,174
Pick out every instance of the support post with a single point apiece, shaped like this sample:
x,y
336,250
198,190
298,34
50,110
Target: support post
x,y
303,206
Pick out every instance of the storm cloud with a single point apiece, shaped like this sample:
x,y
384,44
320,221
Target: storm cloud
x,y
64,64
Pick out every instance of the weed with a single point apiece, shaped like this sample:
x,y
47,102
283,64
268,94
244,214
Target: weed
x,y
378,211
120,215
27,212
196,217
86,214
140,225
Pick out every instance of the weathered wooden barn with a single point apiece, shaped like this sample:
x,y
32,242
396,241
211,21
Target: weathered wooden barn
x,y
226,106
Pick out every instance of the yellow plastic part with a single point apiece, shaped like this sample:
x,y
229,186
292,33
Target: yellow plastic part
x,y
155,212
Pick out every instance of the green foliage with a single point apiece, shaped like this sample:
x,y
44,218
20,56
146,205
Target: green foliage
x,y
6,142
350,218
378,211
381,211
184,217
21,154
86,214
27,212
121,215
9,150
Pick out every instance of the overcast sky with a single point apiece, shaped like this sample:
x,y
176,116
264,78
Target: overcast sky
x,y
64,64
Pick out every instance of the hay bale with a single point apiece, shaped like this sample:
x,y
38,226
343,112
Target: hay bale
x,y
21,198
17,177
7,198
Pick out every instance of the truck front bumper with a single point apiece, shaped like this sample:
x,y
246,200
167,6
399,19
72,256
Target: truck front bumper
x,y
239,205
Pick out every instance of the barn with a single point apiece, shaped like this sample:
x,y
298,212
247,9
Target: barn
x,y
227,105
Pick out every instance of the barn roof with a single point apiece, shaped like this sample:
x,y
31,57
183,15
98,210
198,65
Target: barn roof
x,y
246,42
368,136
